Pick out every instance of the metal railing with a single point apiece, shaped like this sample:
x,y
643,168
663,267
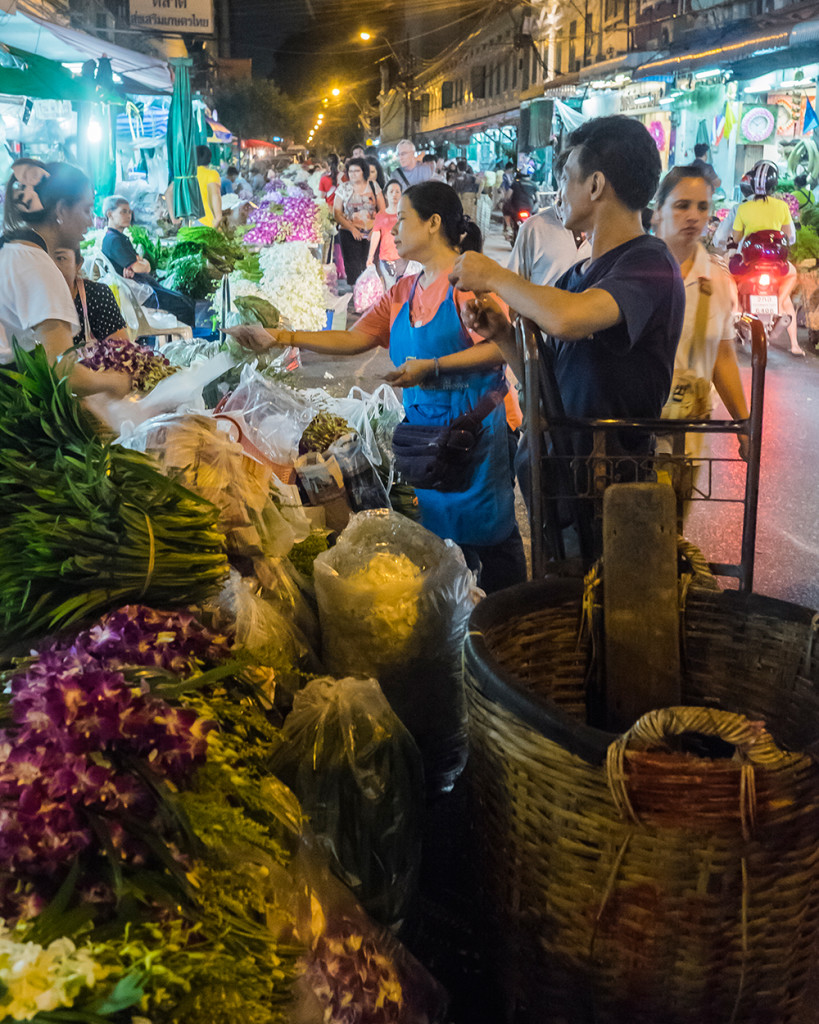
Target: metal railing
x,y
578,480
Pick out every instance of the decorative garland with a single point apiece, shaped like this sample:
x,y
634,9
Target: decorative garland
x,y
757,124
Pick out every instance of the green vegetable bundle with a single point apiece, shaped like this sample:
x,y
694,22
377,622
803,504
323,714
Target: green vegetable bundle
x,y
255,310
151,248
806,246
190,274
87,526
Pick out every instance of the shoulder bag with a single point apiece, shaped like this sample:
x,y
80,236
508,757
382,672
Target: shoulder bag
x,y
443,458
690,397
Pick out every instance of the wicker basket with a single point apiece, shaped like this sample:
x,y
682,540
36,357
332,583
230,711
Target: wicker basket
x,y
630,881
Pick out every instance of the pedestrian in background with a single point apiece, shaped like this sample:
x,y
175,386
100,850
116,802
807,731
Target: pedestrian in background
x,y
356,204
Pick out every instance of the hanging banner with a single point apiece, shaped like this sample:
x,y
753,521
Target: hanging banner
x,y
188,16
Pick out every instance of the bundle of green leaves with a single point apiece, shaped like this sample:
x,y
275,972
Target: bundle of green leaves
x,y
87,524
151,247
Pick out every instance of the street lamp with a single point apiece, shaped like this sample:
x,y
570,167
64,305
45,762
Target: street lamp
x,y
336,92
405,76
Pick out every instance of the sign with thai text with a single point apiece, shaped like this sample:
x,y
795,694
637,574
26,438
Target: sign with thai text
x,y
174,16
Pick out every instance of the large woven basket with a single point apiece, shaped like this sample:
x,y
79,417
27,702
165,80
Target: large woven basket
x,y
630,881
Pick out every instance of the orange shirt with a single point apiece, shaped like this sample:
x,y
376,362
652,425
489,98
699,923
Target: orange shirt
x,y
378,320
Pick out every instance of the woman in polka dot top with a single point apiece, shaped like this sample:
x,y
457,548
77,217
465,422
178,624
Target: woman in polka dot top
x,y
104,317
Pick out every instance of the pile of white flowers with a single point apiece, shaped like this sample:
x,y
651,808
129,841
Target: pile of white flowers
x,y
293,282
34,979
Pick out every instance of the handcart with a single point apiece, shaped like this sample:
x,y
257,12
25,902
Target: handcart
x,y
577,481
664,869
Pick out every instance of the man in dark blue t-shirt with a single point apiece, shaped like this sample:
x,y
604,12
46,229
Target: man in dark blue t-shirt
x,y
616,318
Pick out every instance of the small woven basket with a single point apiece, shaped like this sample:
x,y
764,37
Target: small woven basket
x,y
630,879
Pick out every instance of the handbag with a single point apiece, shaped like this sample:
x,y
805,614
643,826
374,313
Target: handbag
x,y
690,397
443,458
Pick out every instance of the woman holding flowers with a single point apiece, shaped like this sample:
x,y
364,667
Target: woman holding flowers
x,y
444,370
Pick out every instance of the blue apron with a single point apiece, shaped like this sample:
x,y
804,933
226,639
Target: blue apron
x,y
484,514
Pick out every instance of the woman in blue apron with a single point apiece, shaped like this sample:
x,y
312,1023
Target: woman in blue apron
x,y
444,372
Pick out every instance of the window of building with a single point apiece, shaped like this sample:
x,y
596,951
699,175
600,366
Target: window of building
x,y
478,82
505,75
611,9
447,95
426,104
558,68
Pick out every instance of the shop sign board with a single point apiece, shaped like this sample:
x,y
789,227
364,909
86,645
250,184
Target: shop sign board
x,y
193,17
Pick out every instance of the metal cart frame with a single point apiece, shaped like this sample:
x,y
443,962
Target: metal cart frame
x,y
543,412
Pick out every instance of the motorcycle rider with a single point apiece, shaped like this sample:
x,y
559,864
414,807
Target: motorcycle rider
x,y
522,196
762,211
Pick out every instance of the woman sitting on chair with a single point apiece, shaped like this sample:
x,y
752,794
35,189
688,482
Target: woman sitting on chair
x,y
119,250
97,309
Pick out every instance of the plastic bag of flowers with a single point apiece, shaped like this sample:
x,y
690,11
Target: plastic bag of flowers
x,y
357,773
356,971
279,653
393,602
199,452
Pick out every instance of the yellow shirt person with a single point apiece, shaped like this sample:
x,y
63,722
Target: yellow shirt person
x,y
210,188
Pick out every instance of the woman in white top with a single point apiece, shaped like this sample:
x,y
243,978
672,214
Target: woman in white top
x,y
683,205
47,207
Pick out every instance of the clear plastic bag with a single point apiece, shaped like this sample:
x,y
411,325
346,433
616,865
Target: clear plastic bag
x,y
362,482
193,448
275,416
394,601
357,774
276,648
356,971
384,412
355,410
367,290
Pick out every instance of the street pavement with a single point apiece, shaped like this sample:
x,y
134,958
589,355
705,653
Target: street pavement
x,y
787,549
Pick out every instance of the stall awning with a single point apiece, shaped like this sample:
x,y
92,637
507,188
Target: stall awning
x,y
218,132
63,44
26,74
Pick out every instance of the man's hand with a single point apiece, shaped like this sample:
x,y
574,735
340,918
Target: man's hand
x,y
485,317
356,233
411,373
127,272
474,272
258,338
369,261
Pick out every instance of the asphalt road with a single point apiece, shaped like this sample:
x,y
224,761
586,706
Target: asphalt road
x,y
787,548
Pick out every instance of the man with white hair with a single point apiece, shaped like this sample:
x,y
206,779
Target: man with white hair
x,y
411,170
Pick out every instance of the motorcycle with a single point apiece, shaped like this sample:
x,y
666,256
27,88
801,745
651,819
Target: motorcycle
x,y
518,217
758,270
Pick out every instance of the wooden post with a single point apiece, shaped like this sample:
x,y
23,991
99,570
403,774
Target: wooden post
x,y
640,601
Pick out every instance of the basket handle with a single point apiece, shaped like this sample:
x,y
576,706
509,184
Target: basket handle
x,y
750,738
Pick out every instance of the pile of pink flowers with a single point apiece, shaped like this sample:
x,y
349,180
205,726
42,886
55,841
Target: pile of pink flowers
x,y
284,217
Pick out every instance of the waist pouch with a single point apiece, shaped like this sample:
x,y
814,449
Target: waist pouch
x,y
443,458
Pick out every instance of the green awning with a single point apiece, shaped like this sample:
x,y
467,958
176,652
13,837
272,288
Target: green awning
x,y
44,79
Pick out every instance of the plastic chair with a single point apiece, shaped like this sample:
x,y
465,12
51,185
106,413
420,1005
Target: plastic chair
x,y
140,321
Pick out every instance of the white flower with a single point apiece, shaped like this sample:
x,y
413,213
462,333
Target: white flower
x,y
34,979
293,281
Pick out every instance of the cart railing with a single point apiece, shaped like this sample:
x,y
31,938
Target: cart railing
x,y
580,479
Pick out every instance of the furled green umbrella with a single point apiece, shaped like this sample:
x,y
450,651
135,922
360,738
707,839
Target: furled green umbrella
x,y
96,131
187,200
